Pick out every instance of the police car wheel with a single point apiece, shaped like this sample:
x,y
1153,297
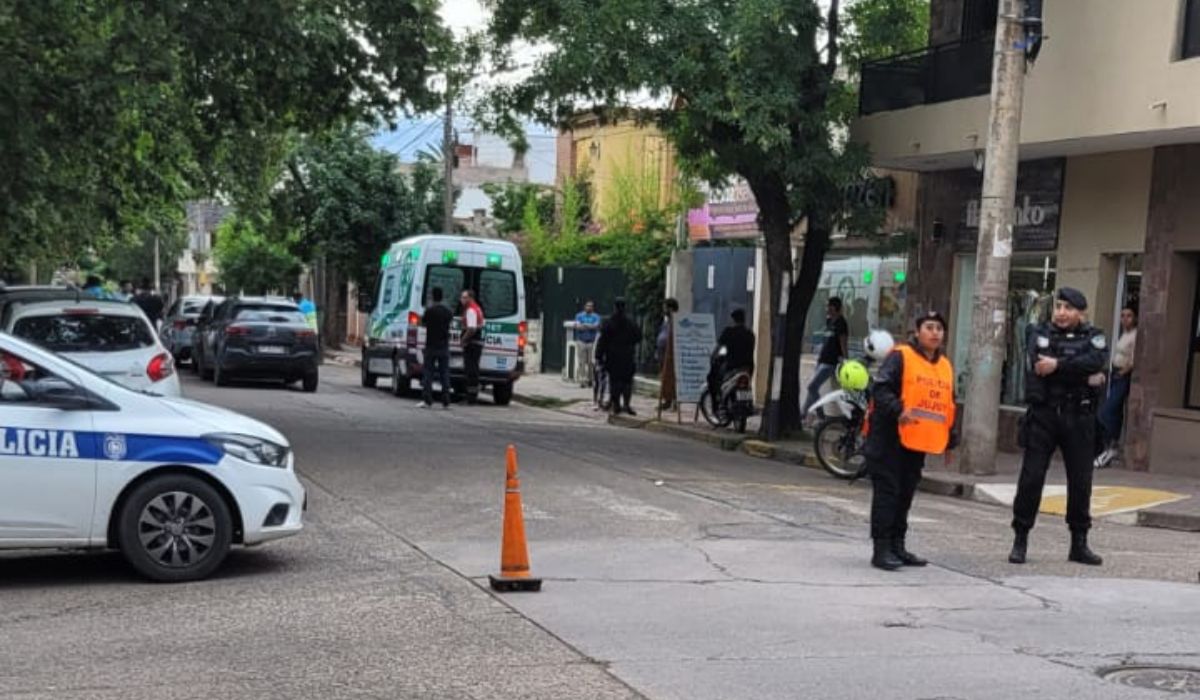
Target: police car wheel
x,y
175,528
502,393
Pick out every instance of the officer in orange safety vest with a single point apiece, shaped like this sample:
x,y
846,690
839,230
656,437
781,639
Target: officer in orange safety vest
x,y
912,415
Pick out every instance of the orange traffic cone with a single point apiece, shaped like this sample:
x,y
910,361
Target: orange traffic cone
x,y
514,553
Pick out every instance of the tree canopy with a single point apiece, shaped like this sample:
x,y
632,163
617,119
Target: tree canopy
x,y
115,112
750,84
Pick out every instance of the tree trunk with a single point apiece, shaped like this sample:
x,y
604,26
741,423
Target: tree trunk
x,y
774,219
816,243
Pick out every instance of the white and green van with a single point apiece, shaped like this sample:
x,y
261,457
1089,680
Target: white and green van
x,y
409,270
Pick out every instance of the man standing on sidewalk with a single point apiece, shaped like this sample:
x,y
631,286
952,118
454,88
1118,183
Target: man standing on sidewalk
x,y
436,321
835,347
587,327
912,415
616,351
472,343
1063,354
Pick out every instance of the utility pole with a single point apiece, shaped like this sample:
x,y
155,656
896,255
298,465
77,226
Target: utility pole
x,y
448,162
157,268
992,259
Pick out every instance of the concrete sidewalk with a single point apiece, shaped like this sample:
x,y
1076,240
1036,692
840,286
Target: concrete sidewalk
x,y
1119,495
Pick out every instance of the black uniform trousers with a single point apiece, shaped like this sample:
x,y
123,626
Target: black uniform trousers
x,y
472,353
1047,428
894,480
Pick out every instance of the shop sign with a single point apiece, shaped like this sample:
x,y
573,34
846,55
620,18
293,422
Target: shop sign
x,y
1037,212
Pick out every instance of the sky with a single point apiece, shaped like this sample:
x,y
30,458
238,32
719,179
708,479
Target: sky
x,y
424,132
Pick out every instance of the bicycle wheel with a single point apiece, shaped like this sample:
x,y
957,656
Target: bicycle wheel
x,y
839,448
716,418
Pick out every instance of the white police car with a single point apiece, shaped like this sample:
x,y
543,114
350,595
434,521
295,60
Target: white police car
x,y
88,463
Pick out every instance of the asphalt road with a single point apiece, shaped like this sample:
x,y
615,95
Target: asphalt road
x,y
672,570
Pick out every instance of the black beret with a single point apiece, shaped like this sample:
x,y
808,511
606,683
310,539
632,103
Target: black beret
x,y
932,315
1074,297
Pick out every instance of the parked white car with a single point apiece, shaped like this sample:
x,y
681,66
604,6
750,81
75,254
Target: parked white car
x,y
112,338
171,483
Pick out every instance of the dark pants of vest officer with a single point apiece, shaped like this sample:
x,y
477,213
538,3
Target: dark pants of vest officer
x,y
894,481
472,353
1071,428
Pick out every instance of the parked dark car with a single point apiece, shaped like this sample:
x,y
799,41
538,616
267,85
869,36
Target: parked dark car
x,y
180,323
255,338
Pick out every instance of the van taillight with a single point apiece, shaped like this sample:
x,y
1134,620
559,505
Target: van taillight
x,y
161,367
522,334
414,318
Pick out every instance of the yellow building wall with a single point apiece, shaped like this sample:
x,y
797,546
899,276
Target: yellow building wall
x,y
604,154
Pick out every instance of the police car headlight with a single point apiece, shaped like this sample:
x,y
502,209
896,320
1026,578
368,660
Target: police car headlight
x,y
250,449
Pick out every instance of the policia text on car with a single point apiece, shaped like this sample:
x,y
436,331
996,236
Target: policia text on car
x,y
1062,355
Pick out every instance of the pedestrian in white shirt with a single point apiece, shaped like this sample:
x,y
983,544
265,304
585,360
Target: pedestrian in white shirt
x,y
1112,413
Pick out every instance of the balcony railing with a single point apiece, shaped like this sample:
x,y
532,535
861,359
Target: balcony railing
x,y
933,74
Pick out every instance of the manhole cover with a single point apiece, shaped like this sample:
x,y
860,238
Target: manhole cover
x,y
1173,679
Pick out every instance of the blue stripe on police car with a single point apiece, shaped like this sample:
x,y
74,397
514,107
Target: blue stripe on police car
x,y
70,444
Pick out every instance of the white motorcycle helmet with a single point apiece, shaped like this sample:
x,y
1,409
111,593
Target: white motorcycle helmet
x,y
878,344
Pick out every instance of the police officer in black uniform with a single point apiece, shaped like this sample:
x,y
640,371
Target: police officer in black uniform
x,y
1061,356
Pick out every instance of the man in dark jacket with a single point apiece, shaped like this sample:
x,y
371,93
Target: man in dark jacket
x,y
436,321
912,415
615,350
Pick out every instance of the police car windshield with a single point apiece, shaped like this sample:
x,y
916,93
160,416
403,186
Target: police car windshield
x,y
85,332
269,314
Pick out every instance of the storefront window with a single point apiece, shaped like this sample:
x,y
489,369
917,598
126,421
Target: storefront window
x,y
1031,283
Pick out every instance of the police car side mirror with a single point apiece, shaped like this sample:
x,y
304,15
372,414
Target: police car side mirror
x,y
366,302
56,393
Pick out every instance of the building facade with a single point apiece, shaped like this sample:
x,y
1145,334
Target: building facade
x,y
608,155
1108,192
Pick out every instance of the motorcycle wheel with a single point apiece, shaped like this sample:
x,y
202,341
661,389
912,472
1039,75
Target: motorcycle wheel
x,y
719,419
839,448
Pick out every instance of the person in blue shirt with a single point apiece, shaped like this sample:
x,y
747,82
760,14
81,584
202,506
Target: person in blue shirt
x,y
587,327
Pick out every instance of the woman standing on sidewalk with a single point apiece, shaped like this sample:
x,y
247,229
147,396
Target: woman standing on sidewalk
x,y
912,414
1112,413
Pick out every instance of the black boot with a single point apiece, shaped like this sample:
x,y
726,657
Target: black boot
x,y
1020,544
884,557
905,556
1081,553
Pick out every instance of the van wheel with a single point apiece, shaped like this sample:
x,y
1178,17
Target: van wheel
x,y
502,393
175,528
368,379
309,383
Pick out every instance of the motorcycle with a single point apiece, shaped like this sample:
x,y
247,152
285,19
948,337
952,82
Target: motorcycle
x,y
838,440
736,401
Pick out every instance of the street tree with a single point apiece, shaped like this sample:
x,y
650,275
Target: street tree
x,y
750,84
116,111
253,262
344,202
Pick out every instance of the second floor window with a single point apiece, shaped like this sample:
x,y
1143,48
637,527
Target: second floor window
x,y
1191,29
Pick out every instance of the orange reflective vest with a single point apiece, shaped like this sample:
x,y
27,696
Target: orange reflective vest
x,y
927,394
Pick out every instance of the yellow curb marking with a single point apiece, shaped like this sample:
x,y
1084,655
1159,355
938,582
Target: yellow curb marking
x,y
1109,500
